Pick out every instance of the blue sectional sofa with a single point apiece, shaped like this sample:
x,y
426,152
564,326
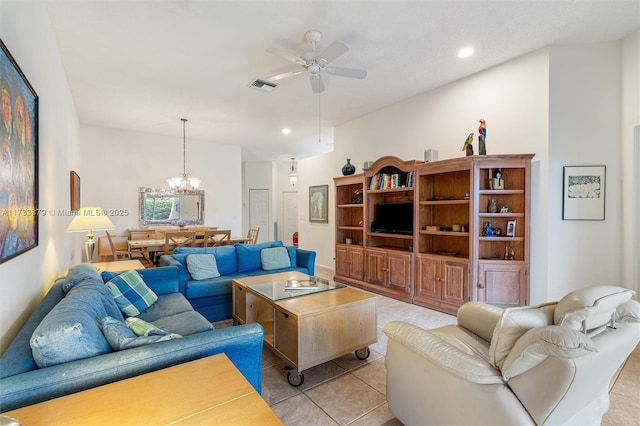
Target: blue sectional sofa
x,y
212,296
66,345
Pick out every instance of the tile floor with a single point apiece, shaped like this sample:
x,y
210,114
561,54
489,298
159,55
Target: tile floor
x,y
345,391
349,391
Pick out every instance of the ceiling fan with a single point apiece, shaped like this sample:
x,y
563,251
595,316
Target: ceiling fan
x,y
314,63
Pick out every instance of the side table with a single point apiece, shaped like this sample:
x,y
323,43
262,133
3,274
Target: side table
x,y
207,391
118,265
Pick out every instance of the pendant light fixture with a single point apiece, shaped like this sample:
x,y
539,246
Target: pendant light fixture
x,y
183,182
293,177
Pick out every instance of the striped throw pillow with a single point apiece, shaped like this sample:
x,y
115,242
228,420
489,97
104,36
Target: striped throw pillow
x,y
131,293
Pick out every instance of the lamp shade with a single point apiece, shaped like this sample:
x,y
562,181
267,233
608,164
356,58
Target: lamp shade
x,y
90,219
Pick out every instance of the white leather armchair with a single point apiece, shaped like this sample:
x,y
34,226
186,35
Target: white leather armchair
x,y
547,364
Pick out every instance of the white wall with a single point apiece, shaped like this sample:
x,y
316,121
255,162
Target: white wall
x,y
630,186
117,162
26,31
584,128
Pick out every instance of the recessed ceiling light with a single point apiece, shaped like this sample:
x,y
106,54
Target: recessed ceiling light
x,y
286,131
465,53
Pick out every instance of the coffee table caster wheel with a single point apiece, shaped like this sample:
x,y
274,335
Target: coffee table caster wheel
x,y
363,353
295,378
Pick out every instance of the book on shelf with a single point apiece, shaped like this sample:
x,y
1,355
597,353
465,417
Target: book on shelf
x,y
381,181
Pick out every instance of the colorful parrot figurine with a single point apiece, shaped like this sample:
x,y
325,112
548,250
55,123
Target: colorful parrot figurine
x,y
468,144
482,136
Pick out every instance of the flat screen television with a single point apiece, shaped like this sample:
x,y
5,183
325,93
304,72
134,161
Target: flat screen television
x,y
393,218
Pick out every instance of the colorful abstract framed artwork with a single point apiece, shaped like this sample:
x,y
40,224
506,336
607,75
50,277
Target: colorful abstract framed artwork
x,y
583,193
19,170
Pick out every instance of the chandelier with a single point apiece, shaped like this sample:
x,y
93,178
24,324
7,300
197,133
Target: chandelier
x,y
183,182
293,177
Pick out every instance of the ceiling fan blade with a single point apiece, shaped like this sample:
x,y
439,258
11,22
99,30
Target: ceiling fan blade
x,y
290,73
286,54
335,49
316,83
346,72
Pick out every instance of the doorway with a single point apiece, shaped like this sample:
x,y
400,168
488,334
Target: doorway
x,y
289,216
259,212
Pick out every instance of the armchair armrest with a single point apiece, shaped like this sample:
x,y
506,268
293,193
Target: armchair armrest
x,y
479,318
306,259
541,342
449,357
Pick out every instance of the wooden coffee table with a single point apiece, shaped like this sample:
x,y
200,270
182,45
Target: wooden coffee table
x,y
307,328
207,391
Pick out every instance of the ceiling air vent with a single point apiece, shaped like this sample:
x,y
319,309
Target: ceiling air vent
x,y
263,85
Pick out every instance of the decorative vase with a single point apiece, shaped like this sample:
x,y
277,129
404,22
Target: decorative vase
x,y
348,169
493,206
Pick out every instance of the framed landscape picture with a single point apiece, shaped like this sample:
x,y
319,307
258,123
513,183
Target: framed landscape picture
x,y
583,192
19,170
318,209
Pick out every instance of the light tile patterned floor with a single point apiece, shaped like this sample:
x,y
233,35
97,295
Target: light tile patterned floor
x,y
345,391
349,391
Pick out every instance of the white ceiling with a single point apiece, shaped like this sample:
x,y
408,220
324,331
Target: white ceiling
x,y
142,65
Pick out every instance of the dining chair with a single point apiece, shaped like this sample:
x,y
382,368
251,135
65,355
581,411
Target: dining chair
x,y
216,238
117,253
175,239
162,230
252,235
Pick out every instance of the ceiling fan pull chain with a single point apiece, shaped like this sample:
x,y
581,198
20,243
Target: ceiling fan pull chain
x,y
319,120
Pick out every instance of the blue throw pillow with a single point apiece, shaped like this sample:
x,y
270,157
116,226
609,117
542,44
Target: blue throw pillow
x,y
249,255
274,258
131,293
202,266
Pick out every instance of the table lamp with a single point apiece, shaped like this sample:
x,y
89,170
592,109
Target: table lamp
x,y
89,219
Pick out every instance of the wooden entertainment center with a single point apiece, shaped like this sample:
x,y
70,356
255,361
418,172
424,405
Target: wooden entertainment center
x,y
470,236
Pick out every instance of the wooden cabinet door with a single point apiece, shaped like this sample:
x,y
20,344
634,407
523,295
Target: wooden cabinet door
x,y
502,284
356,263
455,282
427,277
399,265
342,261
377,267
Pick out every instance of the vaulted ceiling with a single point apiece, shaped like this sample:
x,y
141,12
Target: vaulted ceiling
x,y
143,65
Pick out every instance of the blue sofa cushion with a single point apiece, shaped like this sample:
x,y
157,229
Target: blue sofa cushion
x,y
202,266
211,287
225,257
184,323
131,293
167,304
70,331
274,258
122,337
249,255
85,275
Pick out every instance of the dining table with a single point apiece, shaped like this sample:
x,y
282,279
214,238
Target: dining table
x,y
149,248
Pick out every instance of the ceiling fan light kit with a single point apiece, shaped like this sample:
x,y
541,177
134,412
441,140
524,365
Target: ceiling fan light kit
x,y
314,62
